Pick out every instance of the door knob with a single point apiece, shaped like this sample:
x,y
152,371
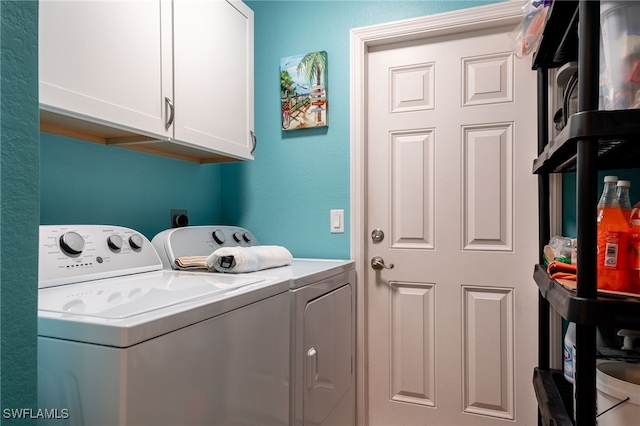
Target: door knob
x,y
377,263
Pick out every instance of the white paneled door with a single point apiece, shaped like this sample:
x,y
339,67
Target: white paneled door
x,y
451,135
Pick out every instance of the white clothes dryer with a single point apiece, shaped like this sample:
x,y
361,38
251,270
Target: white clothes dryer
x,y
123,342
322,313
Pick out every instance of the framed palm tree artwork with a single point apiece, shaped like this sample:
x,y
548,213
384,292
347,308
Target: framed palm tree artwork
x,y
303,91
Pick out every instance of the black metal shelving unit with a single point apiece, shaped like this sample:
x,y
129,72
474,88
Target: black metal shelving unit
x,y
591,141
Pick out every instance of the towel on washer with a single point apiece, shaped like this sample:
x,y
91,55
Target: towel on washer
x,y
248,259
191,262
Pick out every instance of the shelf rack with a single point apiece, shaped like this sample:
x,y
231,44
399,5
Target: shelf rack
x,y
607,309
592,140
612,130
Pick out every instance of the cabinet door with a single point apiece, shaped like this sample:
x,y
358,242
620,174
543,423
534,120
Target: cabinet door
x,y
107,62
213,70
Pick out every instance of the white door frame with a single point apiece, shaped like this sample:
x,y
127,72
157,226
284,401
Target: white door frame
x,y
361,39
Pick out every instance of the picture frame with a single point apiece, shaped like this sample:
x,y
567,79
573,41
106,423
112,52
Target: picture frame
x,y
303,91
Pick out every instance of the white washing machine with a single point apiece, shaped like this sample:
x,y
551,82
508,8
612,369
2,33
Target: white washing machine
x,y
322,329
121,341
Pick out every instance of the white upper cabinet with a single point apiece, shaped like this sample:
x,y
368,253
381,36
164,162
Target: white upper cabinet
x,y
107,61
171,78
213,74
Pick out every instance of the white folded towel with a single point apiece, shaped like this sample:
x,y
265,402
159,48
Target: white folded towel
x,y
248,259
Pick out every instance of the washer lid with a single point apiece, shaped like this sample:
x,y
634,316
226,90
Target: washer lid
x,y
133,295
126,310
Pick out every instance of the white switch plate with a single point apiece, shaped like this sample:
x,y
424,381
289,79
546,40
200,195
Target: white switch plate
x,y
336,220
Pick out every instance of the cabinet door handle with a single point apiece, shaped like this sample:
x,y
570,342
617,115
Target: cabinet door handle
x,y
254,139
171,109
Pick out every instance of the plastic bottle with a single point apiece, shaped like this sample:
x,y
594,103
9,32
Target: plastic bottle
x,y
569,351
570,356
613,236
634,250
570,360
622,189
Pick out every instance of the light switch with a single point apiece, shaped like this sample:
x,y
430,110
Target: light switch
x,y
337,221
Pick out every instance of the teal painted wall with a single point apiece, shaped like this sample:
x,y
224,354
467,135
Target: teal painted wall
x,y
84,182
285,196
19,153
569,226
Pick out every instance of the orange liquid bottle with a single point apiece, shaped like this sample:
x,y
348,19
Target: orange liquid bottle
x,y
622,189
613,240
634,250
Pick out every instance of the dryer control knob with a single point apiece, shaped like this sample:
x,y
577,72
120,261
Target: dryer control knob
x,y
72,243
237,236
246,237
219,237
136,241
115,242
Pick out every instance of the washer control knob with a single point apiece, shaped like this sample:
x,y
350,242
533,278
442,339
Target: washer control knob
x,y
237,237
135,241
219,237
115,242
246,237
72,243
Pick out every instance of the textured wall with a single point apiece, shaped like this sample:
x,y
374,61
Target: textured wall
x,y
19,154
84,182
284,196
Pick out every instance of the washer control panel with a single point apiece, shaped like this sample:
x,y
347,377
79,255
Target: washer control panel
x,y
76,253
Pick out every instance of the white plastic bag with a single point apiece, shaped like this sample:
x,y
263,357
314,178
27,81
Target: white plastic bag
x,y
528,33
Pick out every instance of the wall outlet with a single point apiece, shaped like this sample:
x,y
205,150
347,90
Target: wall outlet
x,y
179,218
